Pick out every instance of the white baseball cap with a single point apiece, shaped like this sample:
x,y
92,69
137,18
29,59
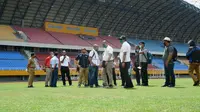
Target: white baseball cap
x,y
167,39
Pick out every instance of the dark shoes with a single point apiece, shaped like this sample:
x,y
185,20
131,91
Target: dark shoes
x,y
110,86
196,83
164,85
145,84
138,84
127,87
46,86
171,86
30,86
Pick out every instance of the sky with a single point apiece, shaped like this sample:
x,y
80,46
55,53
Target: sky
x,y
194,2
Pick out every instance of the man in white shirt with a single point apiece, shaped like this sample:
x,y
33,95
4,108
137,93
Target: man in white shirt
x,y
143,63
125,61
93,68
54,66
107,65
65,72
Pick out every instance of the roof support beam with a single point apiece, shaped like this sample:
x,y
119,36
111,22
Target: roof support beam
x,y
118,21
85,14
2,9
17,5
70,8
27,9
77,12
33,21
53,1
59,10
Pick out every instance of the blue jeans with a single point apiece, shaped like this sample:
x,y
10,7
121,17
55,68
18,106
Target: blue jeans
x,y
93,75
54,77
169,75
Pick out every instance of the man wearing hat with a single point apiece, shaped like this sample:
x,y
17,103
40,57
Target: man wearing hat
x,y
168,63
125,61
194,60
107,65
143,63
93,68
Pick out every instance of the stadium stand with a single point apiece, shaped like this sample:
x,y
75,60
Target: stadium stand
x,y
115,42
151,45
7,33
11,60
93,40
158,62
37,35
181,47
69,39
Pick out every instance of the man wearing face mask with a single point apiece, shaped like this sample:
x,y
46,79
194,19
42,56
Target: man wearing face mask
x,y
143,63
136,65
107,65
48,69
168,63
93,68
125,61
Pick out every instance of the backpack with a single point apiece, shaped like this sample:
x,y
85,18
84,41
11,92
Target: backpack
x,y
149,57
175,54
195,55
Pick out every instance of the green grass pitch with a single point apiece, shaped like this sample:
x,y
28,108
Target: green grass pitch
x,y
16,97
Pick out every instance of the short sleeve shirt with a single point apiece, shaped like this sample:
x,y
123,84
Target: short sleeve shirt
x,y
54,61
107,52
65,62
168,51
83,60
126,48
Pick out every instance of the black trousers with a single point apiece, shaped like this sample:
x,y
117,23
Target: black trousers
x,y
137,75
124,72
66,72
169,75
144,73
114,77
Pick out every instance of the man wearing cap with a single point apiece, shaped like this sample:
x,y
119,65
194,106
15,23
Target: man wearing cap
x,y
65,72
168,63
143,63
93,68
194,60
54,67
107,65
125,61
48,69
31,70
83,63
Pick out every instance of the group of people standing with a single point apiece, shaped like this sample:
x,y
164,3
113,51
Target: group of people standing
x,y
88,65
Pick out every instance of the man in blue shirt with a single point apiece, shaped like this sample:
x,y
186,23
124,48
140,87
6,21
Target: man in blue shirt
x,y
83,63
194,60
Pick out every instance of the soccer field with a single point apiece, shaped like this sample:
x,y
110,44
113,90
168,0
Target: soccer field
x,y
16,97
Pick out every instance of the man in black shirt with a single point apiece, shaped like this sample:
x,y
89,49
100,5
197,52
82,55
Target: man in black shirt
x,y
83,63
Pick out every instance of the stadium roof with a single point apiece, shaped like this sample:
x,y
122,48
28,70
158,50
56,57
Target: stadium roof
x,y
144,19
